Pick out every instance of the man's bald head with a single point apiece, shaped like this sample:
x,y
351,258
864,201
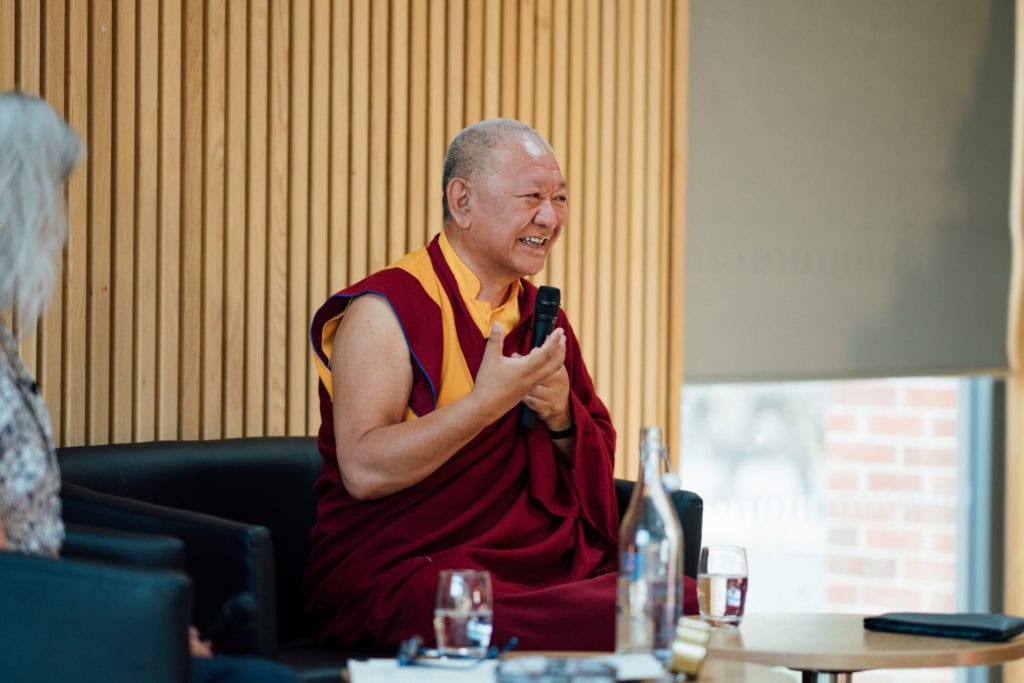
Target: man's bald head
x,y
473,149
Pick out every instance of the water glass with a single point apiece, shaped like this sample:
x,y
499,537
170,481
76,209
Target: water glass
x,y
463,612
722,584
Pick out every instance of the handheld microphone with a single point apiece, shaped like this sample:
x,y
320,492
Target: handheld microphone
x,y
545,312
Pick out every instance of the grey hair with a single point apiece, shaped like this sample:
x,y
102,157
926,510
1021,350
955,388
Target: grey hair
x,y
472,148
38,151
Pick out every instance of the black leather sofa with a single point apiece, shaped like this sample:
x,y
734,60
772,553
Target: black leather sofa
x,y
89,621
243,508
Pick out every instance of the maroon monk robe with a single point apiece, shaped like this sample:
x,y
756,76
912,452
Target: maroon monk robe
x,y
507,502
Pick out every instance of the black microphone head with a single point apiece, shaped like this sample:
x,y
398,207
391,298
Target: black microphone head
x,y
548,301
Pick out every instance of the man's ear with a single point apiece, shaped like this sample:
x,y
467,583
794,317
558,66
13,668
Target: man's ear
x,y
458,201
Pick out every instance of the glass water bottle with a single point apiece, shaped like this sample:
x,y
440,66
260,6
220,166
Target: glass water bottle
x,y
650,597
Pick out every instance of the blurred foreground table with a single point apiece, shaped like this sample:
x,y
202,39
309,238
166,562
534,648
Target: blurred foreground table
x,y
714,670
829,648
719,671
388,671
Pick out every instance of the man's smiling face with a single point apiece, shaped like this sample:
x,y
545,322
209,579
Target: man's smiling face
x,y
518,210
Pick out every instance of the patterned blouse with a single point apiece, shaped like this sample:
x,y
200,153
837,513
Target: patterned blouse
x,y
29,477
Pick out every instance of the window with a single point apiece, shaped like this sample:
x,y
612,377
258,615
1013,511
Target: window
x,y
845,493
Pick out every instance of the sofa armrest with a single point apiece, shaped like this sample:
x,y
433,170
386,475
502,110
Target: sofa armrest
x,y
689,507
266,481
125,548
66,620
223,558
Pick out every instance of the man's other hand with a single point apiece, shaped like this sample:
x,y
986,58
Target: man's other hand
x,y
503,380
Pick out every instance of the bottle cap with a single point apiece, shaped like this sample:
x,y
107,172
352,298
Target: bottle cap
x,y
693,631
687,658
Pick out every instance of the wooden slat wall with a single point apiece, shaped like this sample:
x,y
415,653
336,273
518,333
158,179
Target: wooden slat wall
x,y
245,159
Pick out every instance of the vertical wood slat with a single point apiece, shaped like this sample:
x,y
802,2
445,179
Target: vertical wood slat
x,y
245,159
436,86
543,81
28,48
655,315
146,216
298,222
679,26
637,236
537,35
398,132
8,44
122,410
621,380
169,207
215,62
573,42
319,199
492,59
422,198
473,59
377,216
659,56
605,219
190,397
509,55
552,113
591,194
524,63
358,242
278,193
648,119
75,336
233,287
658,21
340,139
51,331
456,28
256,327
99,163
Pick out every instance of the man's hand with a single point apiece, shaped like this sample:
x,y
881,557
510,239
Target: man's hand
x,y
198,647
549,397
506,380
379,452
550,400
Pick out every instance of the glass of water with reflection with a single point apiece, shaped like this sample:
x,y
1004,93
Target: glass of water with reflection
x,y
463,612
722,584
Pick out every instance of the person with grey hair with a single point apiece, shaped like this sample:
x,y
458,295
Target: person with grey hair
x,y
423,369
38,151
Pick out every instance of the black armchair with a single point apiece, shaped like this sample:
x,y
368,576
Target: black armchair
x,y
223,557
123,548
247,491
259,484
73,620
690,508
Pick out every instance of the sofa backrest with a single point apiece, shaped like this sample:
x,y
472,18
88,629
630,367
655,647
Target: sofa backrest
x,y
259,480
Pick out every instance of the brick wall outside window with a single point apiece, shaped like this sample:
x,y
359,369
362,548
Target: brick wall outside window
x,y
844,493
891,472
891,468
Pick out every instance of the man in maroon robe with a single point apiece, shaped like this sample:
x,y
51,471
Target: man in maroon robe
x,y
423,367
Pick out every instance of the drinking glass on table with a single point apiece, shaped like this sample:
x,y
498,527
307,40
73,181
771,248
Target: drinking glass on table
x,y
463,612
722,584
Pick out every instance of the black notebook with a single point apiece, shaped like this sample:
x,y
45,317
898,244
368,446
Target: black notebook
x,y
973,626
